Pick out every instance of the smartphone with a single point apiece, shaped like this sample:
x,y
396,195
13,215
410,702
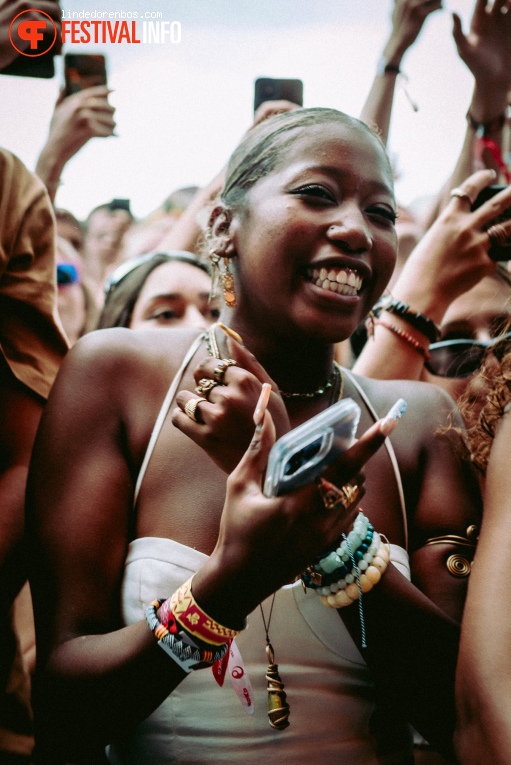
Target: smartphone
x,y
301,455
267,89
500,252
83,70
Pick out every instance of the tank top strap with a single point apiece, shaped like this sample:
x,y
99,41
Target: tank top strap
x,y
390,450
162,414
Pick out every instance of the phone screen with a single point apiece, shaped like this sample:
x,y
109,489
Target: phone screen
x,y
83,70
268,89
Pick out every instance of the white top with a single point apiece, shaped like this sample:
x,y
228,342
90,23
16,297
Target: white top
x,y
327,682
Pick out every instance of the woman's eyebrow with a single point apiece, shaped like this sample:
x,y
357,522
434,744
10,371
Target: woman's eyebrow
x,y
335,170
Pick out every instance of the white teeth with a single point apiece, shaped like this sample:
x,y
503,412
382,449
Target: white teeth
x,y
344,281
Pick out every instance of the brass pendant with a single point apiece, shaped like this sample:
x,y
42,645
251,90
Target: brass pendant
x,y
278,708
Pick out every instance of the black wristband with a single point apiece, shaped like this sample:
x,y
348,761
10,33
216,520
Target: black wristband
x,y
417,320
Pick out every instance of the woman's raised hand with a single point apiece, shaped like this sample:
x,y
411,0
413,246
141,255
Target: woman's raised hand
x,y
223,417
452,256
265,542
486,48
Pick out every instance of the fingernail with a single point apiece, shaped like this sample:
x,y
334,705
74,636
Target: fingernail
x,y
261,405
230,333
389,422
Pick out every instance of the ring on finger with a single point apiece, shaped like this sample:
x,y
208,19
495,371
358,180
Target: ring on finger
x,y
192,411
460,194
498,235
221,369
205,386
334,497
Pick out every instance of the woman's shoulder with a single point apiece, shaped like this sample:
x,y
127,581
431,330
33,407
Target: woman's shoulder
x,y
107,362
429,407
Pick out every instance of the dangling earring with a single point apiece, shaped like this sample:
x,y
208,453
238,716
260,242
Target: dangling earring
x,y
228,285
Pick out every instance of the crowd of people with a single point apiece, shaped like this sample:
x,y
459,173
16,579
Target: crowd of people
x,y
147,368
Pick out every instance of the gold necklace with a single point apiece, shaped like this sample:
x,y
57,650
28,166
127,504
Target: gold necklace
x,y
336,376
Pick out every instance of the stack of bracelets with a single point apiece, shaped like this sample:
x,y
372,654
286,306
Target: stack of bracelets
x,y
340,576
186,633
421,323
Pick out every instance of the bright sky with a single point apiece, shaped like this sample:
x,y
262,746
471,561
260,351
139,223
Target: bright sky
x,y
182,108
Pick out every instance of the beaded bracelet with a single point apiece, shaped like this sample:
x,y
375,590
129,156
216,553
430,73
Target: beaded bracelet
x,y
332,568
182,648
415,319
331,585
195,621
365,582
404,336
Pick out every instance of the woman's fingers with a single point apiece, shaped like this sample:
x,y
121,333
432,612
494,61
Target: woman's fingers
x,y
465,195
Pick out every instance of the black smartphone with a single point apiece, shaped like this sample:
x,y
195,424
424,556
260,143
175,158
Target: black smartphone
x,y
267,89
83,70
500,252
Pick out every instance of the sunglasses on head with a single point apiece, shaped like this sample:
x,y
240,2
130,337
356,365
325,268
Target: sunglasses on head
x,y
462,358
67,273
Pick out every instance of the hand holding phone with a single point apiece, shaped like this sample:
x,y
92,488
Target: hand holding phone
x,y
501,251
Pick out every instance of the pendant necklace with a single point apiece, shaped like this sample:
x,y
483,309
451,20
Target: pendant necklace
x,y
278,708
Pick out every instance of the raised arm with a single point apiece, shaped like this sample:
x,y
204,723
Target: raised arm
x,y
408,18
76,119
486,50
451,258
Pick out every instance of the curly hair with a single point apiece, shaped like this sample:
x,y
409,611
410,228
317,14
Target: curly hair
x,y
482,420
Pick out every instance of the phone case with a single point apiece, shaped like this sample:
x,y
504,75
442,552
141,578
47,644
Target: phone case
x,y
83,70
268,89
301,455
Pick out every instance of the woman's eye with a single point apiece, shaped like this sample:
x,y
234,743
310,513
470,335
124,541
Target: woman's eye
x,y
214,313
166,315
383,212
314,190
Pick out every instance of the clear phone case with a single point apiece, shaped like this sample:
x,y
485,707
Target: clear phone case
x,y
301,455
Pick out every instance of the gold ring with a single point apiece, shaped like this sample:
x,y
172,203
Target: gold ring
x,y
191,409
205,386
498,236
460,194
334,498
221,369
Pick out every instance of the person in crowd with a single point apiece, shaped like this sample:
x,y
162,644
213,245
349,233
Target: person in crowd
x,y
105,227
483,732
129,517
464,294
77,307
69,228
162,289
32,345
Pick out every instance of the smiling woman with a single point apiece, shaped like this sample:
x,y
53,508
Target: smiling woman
x,y
136,508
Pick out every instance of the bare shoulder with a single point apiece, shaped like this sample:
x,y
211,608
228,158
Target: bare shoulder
x,y
111,365
429,408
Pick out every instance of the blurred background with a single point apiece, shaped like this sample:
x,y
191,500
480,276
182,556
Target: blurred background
x,y
181,108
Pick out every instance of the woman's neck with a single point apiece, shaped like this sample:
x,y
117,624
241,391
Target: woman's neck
x,y
297,364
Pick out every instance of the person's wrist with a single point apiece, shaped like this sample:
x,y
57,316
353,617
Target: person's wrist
x,y
215,588
488,101
49,166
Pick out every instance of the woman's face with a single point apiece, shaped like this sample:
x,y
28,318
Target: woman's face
x,y
175,294
315,239
480,314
